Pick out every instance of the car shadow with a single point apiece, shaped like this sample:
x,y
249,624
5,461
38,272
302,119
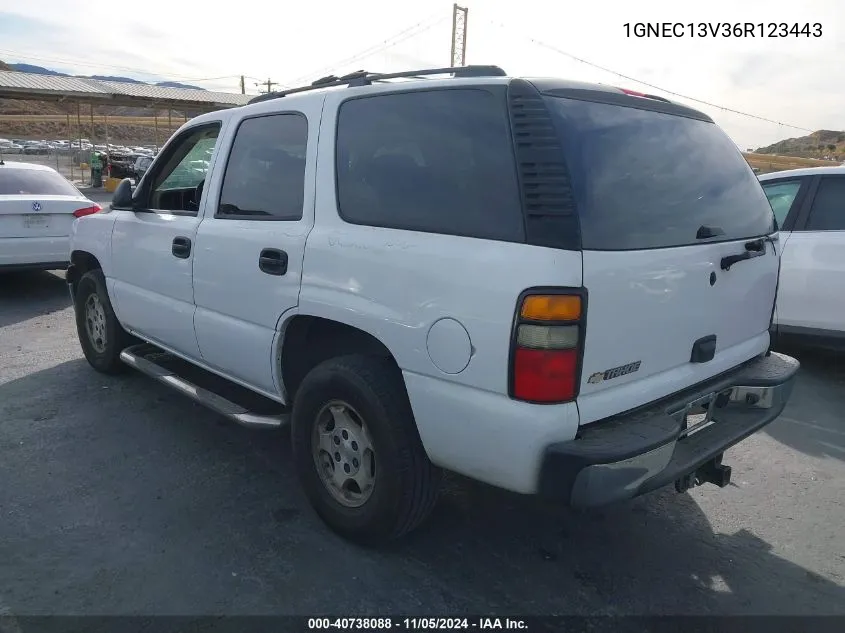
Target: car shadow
x,y
28,294
123,497
812,422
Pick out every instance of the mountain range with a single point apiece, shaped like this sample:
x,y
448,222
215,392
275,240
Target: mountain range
x,y
40,70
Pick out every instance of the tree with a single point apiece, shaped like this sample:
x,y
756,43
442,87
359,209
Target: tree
x,y
831,146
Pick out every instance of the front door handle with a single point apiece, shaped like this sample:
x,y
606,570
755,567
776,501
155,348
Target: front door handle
x,y
181,247
273,261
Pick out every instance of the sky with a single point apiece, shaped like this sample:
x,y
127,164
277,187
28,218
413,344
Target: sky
x,y
792,81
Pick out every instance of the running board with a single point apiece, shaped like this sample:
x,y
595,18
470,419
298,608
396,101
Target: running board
x,y
175,372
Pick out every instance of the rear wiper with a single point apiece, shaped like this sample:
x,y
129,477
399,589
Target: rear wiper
x,y
754,248
706,232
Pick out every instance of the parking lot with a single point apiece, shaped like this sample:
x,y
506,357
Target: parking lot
x,y
118,496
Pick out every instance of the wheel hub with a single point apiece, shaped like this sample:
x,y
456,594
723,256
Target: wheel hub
x,y
343,454
95,323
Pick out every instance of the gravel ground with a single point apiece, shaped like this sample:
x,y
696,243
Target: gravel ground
x,y
118,496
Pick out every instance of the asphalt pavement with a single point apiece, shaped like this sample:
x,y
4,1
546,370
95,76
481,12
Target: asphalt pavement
x,y
118,496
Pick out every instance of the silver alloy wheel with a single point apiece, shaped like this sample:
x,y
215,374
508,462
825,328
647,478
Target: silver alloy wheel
x,y
343,454
95,322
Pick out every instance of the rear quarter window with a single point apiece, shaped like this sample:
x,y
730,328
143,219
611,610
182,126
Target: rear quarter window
x,y
438,161
34,182
645,179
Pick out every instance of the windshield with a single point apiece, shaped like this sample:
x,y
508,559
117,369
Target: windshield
x,y
36,182
645,179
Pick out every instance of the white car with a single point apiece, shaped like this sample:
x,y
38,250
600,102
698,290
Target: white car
x,y
37,208
809,205
524,281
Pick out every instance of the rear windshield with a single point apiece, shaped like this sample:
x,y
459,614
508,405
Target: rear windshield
x,y
645,179
36,182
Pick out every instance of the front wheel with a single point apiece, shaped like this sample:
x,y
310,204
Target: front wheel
x,y
100,335
357,451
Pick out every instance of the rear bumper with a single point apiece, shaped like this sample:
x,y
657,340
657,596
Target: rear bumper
x,y
46,253
640,451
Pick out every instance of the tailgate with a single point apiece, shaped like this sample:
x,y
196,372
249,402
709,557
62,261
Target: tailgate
x,y
662,201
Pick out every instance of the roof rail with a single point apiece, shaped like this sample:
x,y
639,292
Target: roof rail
x,y
365,78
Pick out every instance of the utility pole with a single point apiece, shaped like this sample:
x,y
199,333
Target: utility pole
x,y
269,83
459,35
243,88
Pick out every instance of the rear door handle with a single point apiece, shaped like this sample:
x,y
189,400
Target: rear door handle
x,y
181,247
754,248
273,261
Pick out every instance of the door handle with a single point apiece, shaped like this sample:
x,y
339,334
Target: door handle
x,y
273,261
181,247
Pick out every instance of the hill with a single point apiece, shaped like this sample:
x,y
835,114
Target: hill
x,y
821,144
40,70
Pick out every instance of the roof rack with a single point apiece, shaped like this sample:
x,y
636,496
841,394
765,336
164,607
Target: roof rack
x,y
366,78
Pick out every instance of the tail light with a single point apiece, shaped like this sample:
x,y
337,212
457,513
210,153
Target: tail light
x,y
547,341
87,211
633,93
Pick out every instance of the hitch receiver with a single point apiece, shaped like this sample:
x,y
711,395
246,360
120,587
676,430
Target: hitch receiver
x,y
713,472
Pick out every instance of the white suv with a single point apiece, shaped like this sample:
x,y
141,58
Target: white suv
x,y
809,205
529,282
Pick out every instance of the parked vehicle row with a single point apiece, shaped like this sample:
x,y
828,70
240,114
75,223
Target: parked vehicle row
x,y
35,147
524,281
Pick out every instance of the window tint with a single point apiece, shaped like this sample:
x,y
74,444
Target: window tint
x,y
265,175
828,210
439,161
650,180
36,182
781,195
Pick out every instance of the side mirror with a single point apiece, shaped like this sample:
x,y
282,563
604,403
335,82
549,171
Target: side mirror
x,y
122,199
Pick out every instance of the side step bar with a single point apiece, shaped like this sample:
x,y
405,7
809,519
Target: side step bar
x,y
138,357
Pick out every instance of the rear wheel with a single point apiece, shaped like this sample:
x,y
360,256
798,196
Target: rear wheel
x,y
357,451
100,335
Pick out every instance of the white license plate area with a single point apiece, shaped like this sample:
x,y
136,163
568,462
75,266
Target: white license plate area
x,y
35,221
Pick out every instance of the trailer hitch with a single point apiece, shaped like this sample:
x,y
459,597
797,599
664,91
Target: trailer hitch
x,y
713,472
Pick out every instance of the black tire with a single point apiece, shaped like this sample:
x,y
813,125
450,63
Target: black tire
x,y
102,355
406,482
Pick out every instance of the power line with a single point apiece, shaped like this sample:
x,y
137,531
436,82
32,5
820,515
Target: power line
x,y
405,34
76,62
650,85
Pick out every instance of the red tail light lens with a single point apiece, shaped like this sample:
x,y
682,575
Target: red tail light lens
x,y
79,213
545,375
633,93
546,347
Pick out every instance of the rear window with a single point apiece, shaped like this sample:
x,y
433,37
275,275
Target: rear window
x,y
35,182
646,179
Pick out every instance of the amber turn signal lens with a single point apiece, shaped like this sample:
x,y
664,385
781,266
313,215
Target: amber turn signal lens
x,y
551,307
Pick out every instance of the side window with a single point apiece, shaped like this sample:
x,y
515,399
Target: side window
x,y
265,175
177,182
439,161
781,195
828,210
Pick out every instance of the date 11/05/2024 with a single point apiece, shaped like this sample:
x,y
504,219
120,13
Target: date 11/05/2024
x,y
417,623
722,29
